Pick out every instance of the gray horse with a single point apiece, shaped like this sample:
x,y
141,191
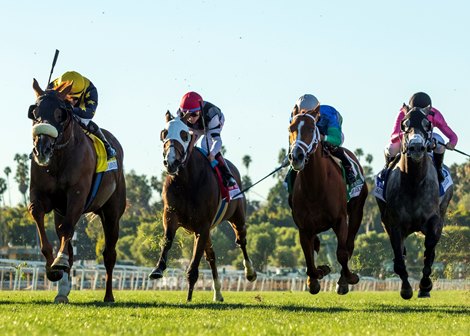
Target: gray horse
x,y
412,199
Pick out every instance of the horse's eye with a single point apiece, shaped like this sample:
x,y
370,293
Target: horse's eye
x,y
163,134
405,125
32,110
184,136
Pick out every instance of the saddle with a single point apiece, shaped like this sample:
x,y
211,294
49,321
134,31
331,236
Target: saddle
x,y
228,193
381,180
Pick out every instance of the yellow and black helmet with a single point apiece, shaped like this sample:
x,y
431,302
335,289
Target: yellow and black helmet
x,y
78,82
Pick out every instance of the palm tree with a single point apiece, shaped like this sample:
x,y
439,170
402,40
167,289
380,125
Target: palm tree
x,y
7,172
3,188
246,162
22,175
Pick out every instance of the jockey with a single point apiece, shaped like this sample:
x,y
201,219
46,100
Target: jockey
x,y
329,124
84,100
212,118
422,100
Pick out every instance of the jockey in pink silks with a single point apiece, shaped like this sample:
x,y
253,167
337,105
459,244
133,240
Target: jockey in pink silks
x,y
422,100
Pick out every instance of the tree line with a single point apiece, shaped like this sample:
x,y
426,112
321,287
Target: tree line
x,y
273,239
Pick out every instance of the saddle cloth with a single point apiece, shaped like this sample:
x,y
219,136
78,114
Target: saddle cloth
x,y
353,189
382,178
102,163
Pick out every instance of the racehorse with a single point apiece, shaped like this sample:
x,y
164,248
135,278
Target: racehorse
x,y
412,202
62,173
319,200
190,200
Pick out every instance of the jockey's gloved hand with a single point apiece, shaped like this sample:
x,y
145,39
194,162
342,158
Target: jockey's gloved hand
x,y
285,162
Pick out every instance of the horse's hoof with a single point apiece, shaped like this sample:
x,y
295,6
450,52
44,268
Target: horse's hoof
x,y
61,299
109,299
353,279
313,286
324,269
60,264
251,277
406,293
423,294
342,289
218,298
54,275
156,274
425,284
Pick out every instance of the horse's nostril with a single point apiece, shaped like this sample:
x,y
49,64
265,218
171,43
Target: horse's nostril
x,y
165,163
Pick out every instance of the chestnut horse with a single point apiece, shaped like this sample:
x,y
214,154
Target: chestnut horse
x,y
191,196
412,202
319,200
62,173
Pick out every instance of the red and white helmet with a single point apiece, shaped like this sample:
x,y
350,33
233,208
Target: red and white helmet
x,y
191,102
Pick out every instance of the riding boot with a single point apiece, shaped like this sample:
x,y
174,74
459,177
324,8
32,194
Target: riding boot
x,y
438,159
229,180
388,160
348,170
96,130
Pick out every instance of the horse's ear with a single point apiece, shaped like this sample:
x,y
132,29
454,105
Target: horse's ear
x,y
64,90
168,116
37,89
405,108
295,110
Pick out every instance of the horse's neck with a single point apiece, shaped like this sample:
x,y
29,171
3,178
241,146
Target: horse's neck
x,y
315,172
68,146
191,171
414,172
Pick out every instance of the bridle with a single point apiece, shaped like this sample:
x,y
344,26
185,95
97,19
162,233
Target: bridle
x,y
306,148
173,136
424,134
57,143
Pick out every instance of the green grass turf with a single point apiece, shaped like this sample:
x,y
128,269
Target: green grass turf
x,y
244,313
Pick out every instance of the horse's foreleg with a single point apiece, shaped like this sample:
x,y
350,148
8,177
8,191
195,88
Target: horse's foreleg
x,y
397,242
239,228
210,257
65,227
38,213
342,255
170,227
200,241
433,233
64,287
307,242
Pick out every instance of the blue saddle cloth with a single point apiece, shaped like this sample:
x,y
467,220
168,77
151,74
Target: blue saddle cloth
x,y
382,178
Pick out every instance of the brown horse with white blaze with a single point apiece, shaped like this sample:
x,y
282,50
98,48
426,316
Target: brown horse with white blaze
x,y
62,173
191,196
319,200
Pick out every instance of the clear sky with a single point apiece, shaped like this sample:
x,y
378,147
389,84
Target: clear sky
x,y
253,59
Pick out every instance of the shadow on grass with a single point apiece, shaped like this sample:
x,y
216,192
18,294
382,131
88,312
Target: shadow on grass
x,y
210,306
373,308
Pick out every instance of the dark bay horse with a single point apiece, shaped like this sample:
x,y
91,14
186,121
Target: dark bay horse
x,y
319,200
412,199
190,198
62,172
